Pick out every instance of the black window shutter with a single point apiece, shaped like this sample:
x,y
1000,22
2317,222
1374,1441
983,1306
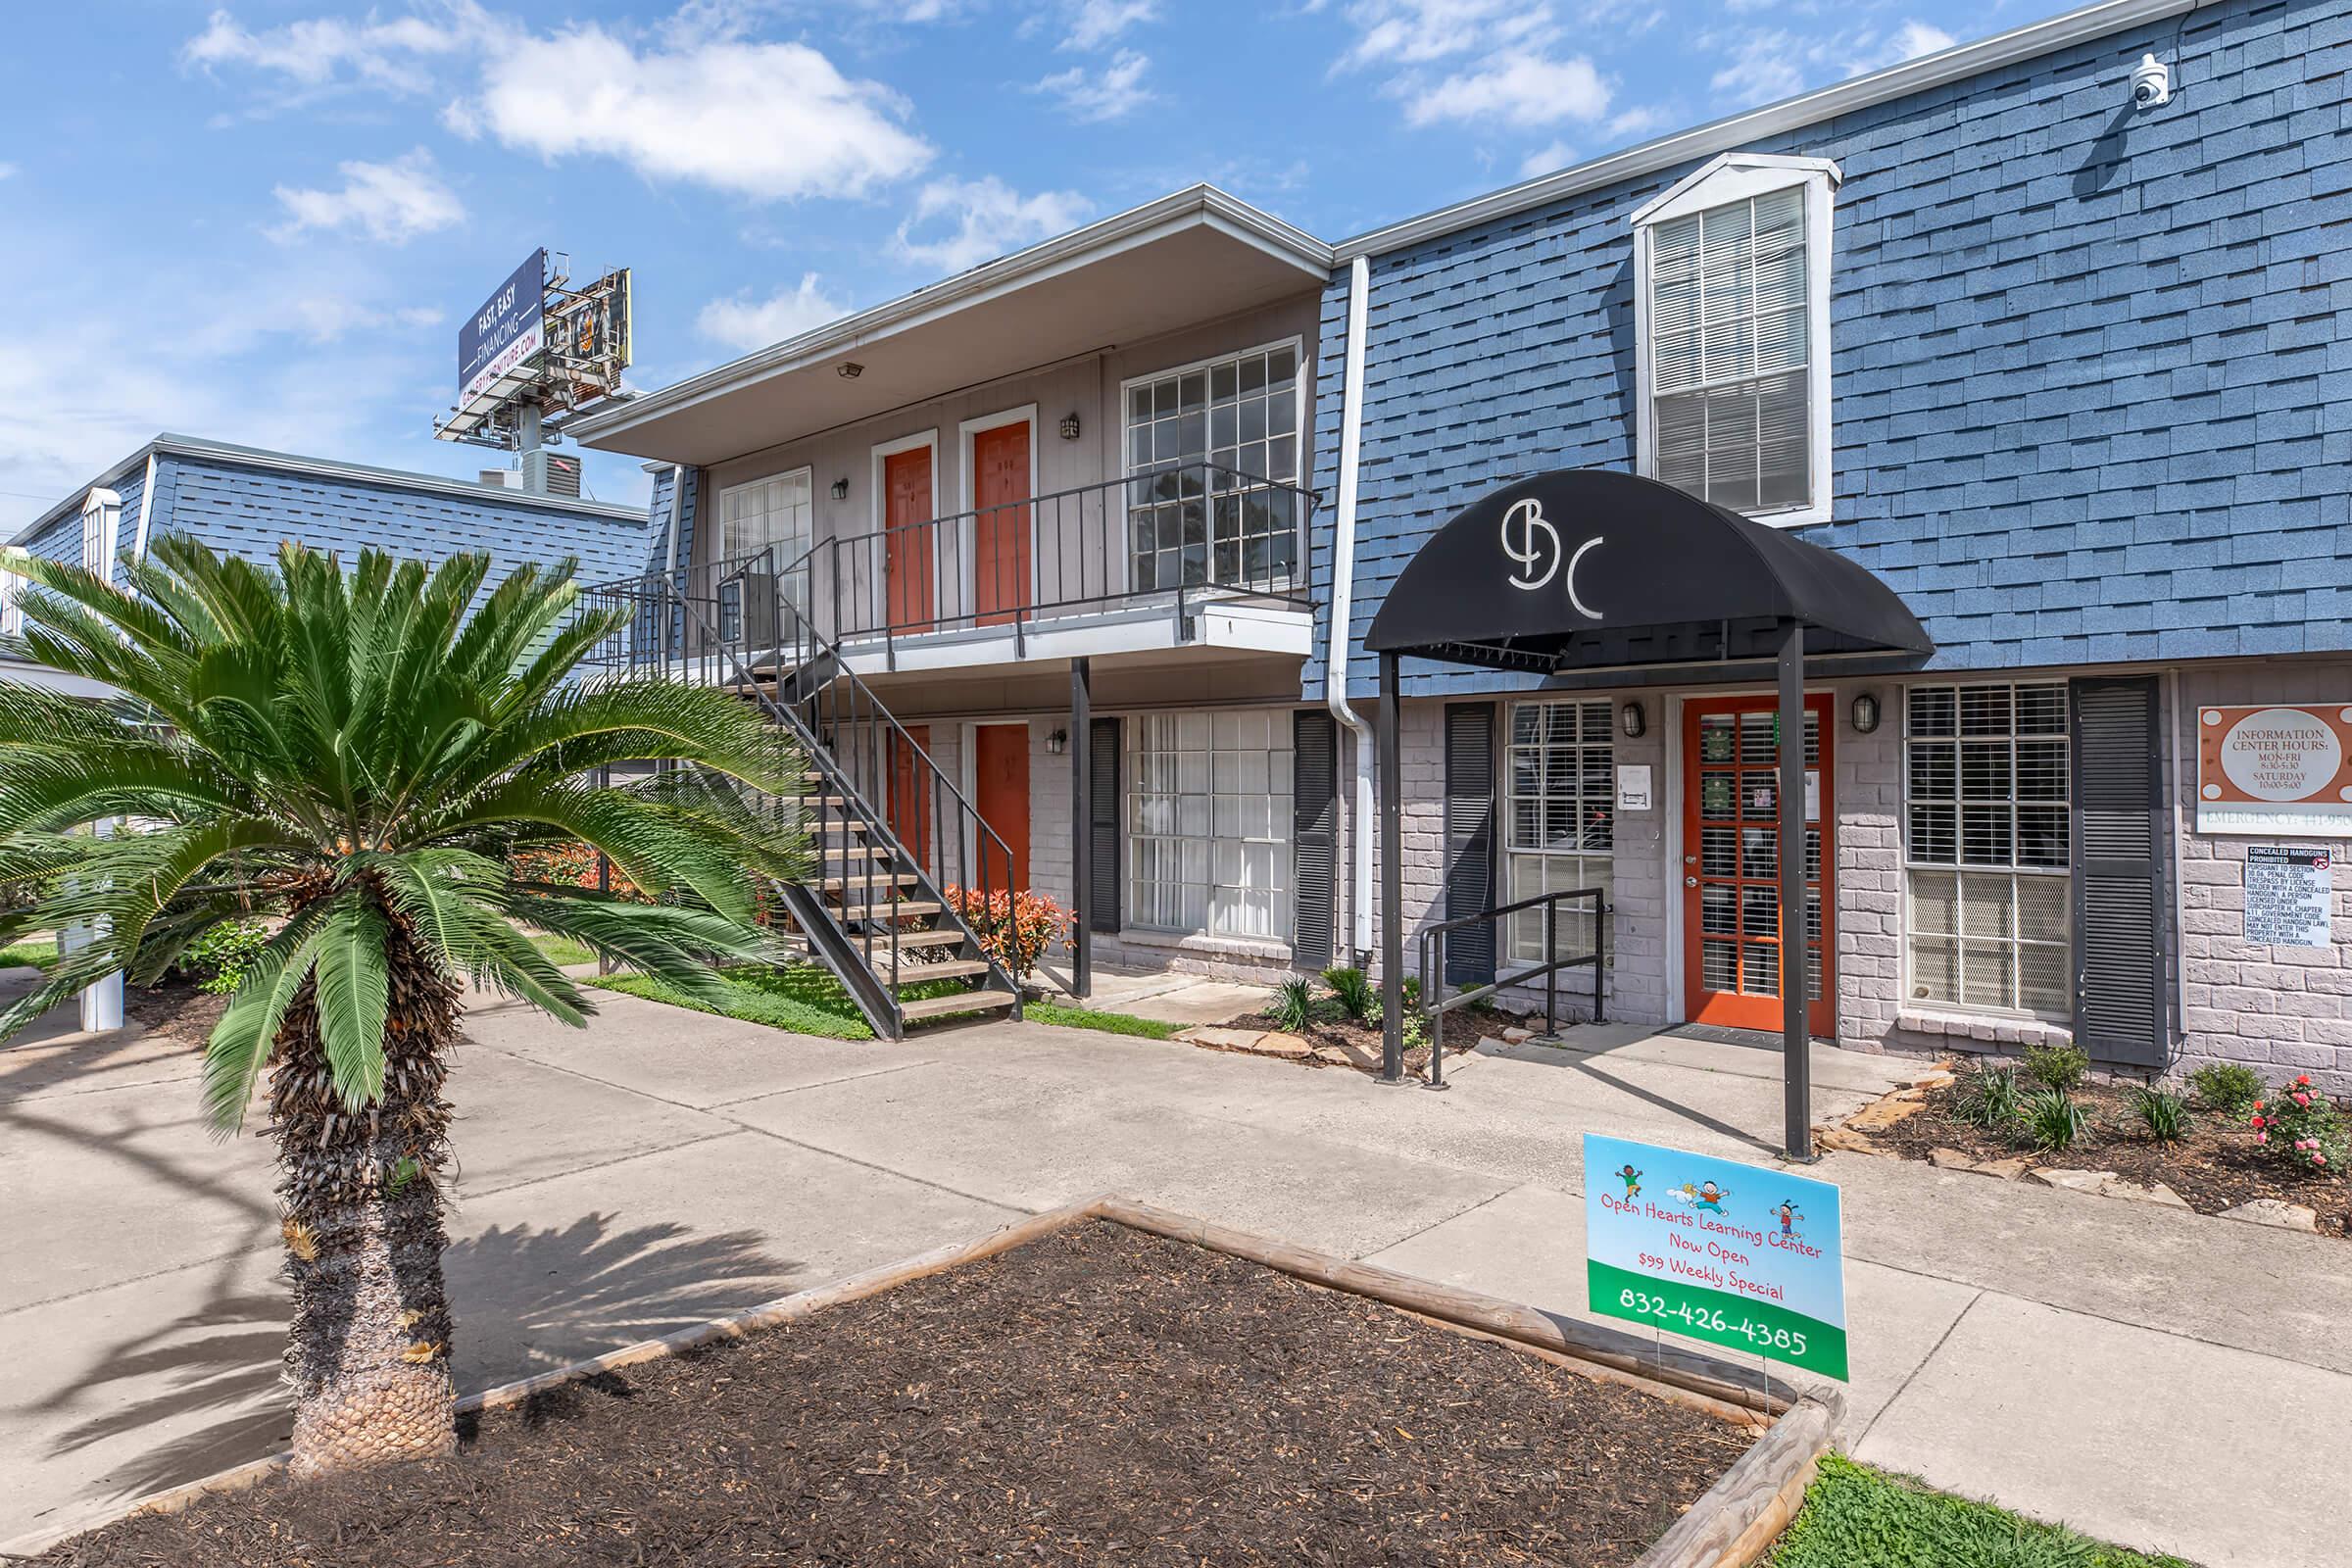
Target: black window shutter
x,y
1314,833
1469,840
2120,1014
1102,824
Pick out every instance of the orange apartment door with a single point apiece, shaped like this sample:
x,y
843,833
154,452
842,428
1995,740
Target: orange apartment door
x,y
1000,779
1731,940
910,797
1001,547
908,549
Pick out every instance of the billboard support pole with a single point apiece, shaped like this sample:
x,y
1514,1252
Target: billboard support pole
x,y
533,446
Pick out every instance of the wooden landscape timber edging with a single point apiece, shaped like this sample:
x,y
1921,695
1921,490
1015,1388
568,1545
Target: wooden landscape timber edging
x,y
1730,1527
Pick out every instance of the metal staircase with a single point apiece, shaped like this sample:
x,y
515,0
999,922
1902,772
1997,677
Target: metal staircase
x,y
892,833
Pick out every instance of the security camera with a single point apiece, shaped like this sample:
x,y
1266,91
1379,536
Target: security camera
x,y
2151,83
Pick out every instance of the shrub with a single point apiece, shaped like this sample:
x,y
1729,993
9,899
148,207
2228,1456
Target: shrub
x,y
2164,1113
1989,1097
2059,1067
1014,928
1294,1004
2300,1128
2228,1086
1353,989
2055,1117
217,959
571,864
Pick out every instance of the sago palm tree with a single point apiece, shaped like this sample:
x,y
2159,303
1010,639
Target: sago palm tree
x,y
356,760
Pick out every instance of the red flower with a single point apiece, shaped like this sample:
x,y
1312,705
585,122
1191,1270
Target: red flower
x,y
2257,1121
2303,1078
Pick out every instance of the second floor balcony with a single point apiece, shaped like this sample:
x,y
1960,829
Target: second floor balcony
x,y
1181,556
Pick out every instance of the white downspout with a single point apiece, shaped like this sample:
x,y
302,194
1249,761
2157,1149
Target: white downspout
x,y
2171,809
1343,607
677,511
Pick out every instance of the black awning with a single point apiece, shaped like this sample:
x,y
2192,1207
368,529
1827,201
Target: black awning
x,y
1583,567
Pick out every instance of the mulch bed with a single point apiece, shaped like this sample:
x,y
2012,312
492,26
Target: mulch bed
x,y
175,1009
1463,1028
2214,1167
1096,1397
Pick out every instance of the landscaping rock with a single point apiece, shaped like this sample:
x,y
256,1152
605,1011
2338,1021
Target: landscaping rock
x,y
2006,1170
1278,1044
2107,1184
1880,1114
1514,1035
1845,1137
1348,1057
2275,1211
1221,1037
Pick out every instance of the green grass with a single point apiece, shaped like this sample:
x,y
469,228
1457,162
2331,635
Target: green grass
x,y
800,997
1109,1023
41,954
806,1000
563,949
1855,1515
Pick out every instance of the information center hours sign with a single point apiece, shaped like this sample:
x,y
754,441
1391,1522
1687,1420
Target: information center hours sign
x,y
1739,1255
2281,772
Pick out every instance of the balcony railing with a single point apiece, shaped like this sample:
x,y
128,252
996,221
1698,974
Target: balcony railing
x,y
1174,538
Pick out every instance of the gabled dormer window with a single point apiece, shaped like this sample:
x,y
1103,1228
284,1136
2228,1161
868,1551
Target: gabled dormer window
x,y
1731,335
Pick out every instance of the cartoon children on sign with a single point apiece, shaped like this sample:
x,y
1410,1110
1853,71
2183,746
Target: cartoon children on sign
x,y
1632,1179
1705,1196
1789,1214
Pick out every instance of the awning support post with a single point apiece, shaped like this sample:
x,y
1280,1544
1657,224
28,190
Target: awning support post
x,y
1796,967
1082,832
1392,878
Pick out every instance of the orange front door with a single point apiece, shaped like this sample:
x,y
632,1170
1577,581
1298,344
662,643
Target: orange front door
x,y
1000,542
909,549
1000,779
1732,949
910,794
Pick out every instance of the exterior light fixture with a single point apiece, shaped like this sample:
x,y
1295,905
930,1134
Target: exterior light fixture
x,y
1069,427
1866,713
1059,742
849,369
840,489
1632,721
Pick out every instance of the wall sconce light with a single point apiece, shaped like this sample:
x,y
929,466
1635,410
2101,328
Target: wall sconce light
x,y
1069,427
1059,742
840,489
849,369
1632,720
1866,713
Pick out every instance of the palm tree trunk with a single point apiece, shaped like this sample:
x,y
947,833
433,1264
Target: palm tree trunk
x,y
368,1355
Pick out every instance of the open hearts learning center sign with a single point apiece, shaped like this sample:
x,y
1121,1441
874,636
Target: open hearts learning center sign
x,y
1740,1255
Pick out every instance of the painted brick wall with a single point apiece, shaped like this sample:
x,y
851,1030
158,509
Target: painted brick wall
x,y
2089,398
2280,1010
250,509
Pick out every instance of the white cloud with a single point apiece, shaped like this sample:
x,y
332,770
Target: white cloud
x,y
320,52
766,120
1520,90
1095,22
1640,121
1544,160
8,171
741,322
1110,93
1411,32
393,202
328,317
982,219
1771,63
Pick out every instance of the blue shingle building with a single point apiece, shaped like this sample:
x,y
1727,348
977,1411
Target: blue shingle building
x,y
244,501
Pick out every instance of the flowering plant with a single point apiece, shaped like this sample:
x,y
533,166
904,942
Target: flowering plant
x,y
570,863
1014,928
2299,1126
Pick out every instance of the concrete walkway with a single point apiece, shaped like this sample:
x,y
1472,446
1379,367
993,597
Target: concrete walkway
x,y
2149,1376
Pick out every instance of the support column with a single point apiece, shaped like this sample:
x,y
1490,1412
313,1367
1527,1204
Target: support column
x,y
1796,971
1391,877
532,443
1082,826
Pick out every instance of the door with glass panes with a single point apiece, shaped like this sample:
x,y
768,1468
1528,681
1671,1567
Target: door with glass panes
x,y
1732,939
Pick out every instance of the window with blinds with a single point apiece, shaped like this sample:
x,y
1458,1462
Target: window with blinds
x,y
1988,845
1731,353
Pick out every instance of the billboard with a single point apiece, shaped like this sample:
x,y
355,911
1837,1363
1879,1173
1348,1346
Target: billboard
x,y
507,330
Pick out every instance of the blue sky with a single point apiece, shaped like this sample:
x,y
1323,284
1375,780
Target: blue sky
x,y
262,222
